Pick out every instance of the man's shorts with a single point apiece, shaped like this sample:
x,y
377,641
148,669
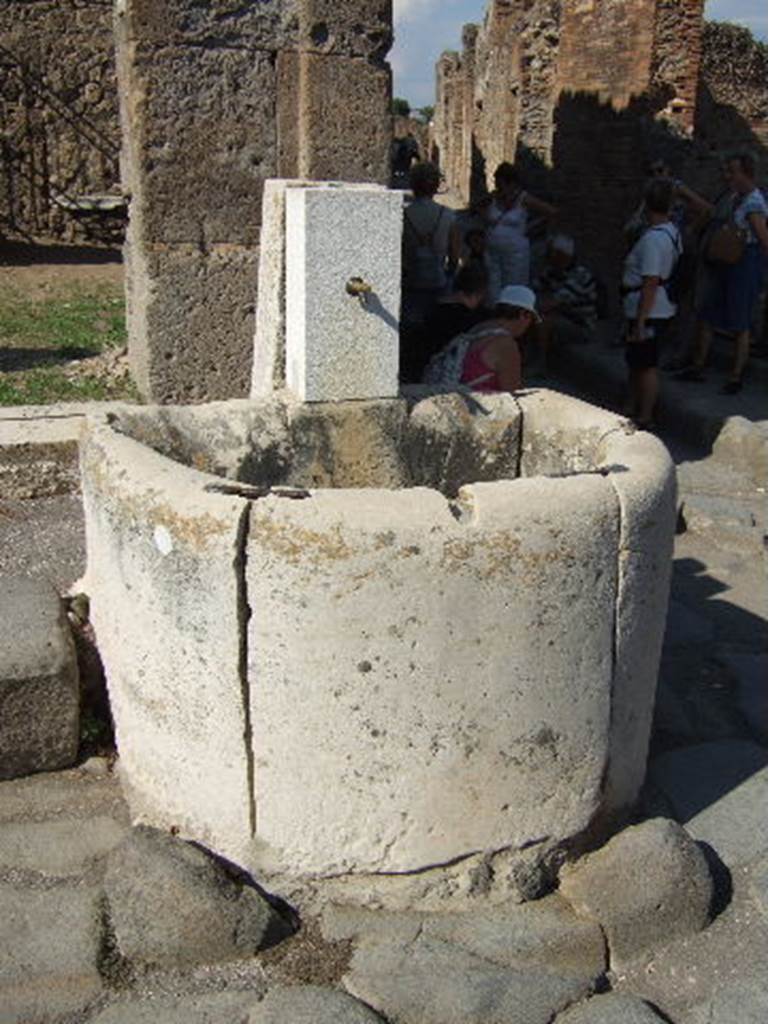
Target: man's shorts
x,y
644,355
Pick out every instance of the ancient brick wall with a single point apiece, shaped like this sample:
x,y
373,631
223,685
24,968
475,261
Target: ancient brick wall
x,y
583,94
59,133
606,48
529,53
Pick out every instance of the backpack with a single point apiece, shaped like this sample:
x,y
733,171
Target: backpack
x,y
424,267
681,280
446,366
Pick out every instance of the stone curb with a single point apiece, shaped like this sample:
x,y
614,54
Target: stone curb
x,y
730,426
38,448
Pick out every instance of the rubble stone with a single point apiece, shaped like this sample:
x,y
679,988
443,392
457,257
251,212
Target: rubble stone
x,y
172,903
646,886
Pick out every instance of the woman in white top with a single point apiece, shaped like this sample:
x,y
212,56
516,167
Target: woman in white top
x,y
648,308
508,248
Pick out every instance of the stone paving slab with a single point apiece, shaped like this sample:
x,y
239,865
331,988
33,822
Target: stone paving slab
x,y
686,974
311,1004
49,943
544,933
434,983
71,794
209,1008
58,848
719,791
751,671
611,1009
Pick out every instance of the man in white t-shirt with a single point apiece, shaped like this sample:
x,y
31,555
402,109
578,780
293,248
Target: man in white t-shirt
x,y
648,308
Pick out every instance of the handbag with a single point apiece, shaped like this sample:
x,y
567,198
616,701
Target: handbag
x,y
727,242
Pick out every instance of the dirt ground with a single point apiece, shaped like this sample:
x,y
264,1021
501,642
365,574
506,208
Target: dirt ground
x,y
43,271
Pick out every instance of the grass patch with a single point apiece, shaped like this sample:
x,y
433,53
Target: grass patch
x,y
81,322
48,345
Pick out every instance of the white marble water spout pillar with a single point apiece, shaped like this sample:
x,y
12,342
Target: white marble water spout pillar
x,y
320,336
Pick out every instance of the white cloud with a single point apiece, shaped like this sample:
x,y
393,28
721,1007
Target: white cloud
x,y
413,10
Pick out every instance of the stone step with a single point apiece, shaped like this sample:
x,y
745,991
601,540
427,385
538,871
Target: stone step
x,y
733,427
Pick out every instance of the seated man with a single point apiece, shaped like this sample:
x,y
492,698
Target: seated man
x,y
568,298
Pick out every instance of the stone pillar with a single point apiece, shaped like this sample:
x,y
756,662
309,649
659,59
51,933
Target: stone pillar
x,y
216,98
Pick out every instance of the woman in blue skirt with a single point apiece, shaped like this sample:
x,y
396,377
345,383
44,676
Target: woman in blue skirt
x,y
733,289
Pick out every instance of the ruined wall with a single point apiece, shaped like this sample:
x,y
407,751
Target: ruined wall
x,y
59,133
583,94
215,99
733,91
529,53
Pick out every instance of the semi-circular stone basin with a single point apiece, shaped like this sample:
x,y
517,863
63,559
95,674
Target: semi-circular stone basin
x,y
375,637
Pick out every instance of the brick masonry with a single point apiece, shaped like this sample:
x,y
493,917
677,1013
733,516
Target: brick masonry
x,y
584,93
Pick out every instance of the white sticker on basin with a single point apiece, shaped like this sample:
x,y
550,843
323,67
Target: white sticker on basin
x,y
163,540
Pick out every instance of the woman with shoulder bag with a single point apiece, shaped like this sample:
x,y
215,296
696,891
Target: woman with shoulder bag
x,y
736,252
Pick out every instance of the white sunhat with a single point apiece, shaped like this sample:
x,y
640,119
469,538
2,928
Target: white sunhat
x,y
520,296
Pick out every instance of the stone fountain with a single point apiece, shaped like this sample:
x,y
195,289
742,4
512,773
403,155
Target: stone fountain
x,y
360,635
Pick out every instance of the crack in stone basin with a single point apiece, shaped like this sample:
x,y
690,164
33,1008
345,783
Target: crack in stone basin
x,y
448,645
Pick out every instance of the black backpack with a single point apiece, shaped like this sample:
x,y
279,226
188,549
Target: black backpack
x,y
680,282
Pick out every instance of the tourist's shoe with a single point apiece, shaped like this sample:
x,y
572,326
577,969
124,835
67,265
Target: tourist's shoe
x,y
690,373
731,387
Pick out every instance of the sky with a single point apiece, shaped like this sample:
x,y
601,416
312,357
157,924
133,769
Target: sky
x,y
424,28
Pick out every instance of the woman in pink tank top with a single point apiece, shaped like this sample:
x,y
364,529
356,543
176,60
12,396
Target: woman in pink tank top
x,y
492,361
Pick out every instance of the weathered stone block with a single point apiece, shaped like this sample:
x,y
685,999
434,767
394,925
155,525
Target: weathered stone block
x,y
339,585
561,434
163,577
191,315
202,142
340,346
644,480
362,29
350,444
39,692
157,24
453,440
650,884
351,99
